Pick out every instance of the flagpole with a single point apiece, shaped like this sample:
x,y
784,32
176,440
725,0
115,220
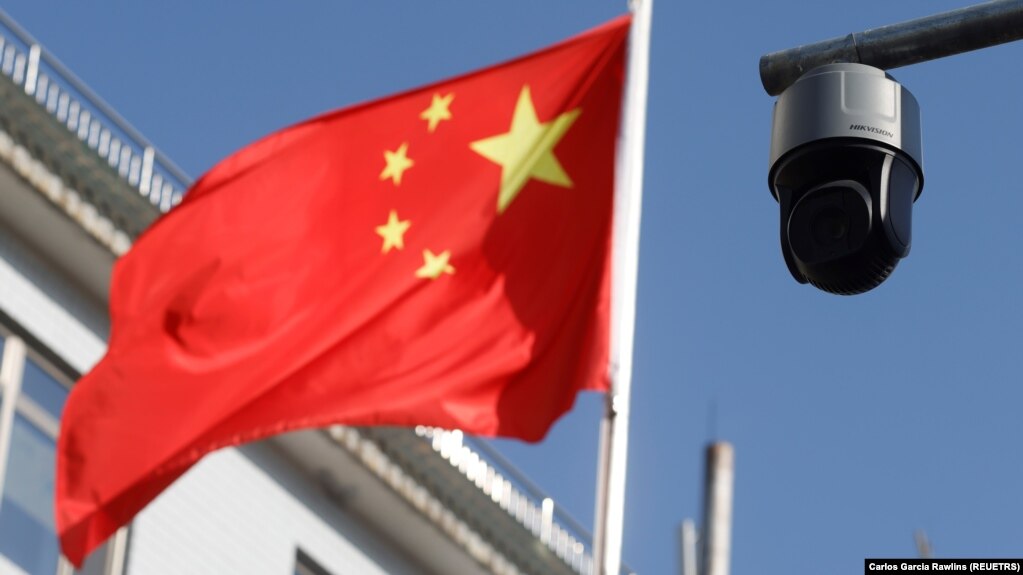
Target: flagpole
x,y
614,429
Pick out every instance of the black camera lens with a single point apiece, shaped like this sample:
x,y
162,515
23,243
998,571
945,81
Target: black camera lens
x,y
830,226
830,222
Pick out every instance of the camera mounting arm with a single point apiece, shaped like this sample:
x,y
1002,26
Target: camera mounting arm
x,y
895,45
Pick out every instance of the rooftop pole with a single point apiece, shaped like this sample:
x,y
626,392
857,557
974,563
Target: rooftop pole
x,y
896,45
718,489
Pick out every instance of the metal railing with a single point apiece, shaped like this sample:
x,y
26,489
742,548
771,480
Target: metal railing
x,y
483,466
88,117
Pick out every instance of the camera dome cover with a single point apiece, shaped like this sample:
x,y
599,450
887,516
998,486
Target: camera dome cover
x,y
846,101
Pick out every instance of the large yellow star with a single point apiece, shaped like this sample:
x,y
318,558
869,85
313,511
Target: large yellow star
x,y
435,265
438,110
393,232
397,162
526,150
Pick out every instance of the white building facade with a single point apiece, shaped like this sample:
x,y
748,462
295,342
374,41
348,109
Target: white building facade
x,y
77,184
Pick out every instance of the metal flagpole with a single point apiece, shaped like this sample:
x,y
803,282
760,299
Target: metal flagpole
x,y
614,429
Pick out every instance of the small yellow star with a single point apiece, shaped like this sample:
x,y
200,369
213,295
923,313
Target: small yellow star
x,y
393,232
397,162
438,110
435,265
526,150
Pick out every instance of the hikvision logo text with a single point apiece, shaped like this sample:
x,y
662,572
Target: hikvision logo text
x,y
871,129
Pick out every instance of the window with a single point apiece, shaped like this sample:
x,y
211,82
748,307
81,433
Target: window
x,y
31,400
32,396
43,388
26,509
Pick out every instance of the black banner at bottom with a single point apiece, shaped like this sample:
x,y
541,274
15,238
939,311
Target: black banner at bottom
x,y
875,566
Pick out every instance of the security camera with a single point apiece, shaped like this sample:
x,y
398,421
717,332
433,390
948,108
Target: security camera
x,y
845,169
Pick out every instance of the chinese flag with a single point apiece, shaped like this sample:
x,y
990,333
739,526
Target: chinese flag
x,y
439,257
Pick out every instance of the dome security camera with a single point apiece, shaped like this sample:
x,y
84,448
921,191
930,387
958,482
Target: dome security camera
x,y
845,169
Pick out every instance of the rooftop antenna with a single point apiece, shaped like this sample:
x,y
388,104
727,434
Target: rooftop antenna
x,y
688,548
923,545
712,420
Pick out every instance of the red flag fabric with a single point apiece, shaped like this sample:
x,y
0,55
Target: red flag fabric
x,y
440,257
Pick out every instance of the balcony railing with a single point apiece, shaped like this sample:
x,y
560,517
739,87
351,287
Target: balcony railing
x,y
88,117
516,494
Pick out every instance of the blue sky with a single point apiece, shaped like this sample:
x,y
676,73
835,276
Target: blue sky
x,y
855,420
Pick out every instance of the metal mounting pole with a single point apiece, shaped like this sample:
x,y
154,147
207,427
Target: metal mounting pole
x,y
896,45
